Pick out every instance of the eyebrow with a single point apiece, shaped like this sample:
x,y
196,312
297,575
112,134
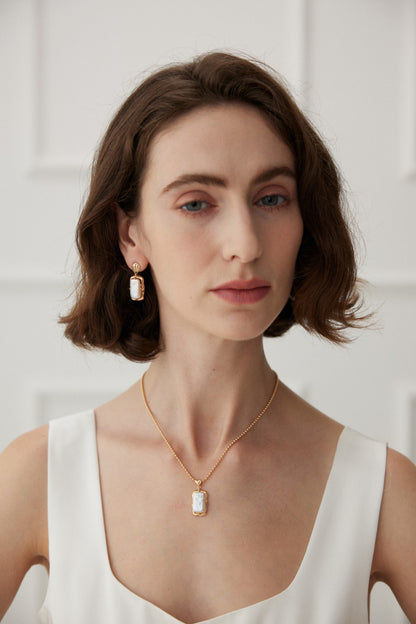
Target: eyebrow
x,y
211,180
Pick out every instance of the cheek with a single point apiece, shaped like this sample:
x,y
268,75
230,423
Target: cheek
x,y
288,242
177,259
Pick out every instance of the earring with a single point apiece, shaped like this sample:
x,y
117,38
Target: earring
x,y
136,284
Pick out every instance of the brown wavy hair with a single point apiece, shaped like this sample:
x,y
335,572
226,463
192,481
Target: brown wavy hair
x,y
325,299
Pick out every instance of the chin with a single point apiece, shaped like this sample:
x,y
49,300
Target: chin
x,y
245,326
242,331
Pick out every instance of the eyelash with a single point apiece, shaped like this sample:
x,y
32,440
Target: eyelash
x,y
268,207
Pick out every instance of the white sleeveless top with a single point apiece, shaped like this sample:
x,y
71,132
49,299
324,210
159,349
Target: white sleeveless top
x,y
330,587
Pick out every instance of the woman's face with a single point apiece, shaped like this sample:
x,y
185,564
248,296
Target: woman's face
x,y
219,222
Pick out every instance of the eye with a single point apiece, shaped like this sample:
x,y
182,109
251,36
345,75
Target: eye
x,y
194,206
273,200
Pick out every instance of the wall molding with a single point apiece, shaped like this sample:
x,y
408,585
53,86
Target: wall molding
x,y
305,50
407,114
89,391
44,163
392,281
21,279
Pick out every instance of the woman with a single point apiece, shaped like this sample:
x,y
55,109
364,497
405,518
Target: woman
x,y
209,491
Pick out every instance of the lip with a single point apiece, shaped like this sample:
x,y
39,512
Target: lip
x,y
243,284
243,291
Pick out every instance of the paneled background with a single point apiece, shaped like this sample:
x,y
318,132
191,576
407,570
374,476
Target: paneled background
x,y
66,66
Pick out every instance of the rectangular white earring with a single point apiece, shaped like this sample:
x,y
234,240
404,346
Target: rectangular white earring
x,y
136,284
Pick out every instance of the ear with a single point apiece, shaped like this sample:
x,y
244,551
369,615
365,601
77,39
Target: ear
x,y
129,240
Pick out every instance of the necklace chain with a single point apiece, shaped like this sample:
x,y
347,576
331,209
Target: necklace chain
x,y
227,448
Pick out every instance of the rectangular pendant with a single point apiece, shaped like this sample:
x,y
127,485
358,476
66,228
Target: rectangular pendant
x,y
137,288
199,502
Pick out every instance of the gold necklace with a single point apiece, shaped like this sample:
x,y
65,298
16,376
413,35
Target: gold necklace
x,y
200,497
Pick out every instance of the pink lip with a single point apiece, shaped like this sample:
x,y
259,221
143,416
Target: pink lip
x,y
243,291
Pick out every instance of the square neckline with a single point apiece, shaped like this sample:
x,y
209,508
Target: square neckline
x,y
218,618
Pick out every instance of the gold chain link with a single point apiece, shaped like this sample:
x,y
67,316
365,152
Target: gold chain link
x,y
199,482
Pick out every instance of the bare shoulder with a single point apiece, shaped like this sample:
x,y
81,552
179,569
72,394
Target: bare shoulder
x,y
305,421
23,481
395,552
23,510
26,458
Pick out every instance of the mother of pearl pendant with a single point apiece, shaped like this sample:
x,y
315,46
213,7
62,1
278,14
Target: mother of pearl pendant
x,y
199,501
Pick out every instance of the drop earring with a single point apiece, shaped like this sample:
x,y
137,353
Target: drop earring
x,y
136,284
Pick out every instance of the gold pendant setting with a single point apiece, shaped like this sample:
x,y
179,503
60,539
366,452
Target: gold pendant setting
x,y
199,500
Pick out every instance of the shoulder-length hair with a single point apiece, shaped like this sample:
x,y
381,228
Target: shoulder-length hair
x,y
324,297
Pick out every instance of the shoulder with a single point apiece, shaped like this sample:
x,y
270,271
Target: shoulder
x,y
398,509
29,449
26,458
23,510
23,480
400,476
395,551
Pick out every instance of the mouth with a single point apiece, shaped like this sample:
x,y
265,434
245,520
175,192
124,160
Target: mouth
x,y
243,291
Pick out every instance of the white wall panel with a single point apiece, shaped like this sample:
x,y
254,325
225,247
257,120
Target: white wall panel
x,y
408,93
358,75
51,399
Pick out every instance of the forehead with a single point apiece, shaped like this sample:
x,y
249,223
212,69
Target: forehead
x,y
234,137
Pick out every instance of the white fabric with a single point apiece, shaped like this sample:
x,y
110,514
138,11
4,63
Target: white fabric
x,y
330,587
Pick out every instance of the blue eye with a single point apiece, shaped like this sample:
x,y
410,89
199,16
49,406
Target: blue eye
x,y
271,201
196,205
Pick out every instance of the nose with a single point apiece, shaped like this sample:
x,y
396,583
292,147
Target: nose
x,y
242,238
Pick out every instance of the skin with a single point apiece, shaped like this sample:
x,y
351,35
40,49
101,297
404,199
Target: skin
x,y
206,386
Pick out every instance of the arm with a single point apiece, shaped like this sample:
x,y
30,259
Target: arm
x,y
23,511
395,552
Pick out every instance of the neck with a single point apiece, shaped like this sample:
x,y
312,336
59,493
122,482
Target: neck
x,y
204,398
